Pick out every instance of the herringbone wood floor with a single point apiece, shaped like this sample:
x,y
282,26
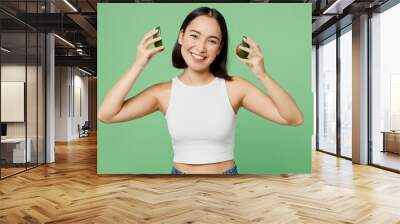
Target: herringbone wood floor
x,y
70,191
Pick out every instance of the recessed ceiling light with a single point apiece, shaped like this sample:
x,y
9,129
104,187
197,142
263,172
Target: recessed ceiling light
x,y
84,71
5,50
70,5
64,40
337,7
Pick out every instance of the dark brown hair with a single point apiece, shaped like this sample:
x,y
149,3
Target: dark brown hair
x,y
218,66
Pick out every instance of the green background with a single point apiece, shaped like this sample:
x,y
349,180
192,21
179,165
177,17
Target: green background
x,y
143,146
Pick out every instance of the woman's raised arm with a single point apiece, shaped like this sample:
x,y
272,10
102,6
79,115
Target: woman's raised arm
x,y
278,106
114,107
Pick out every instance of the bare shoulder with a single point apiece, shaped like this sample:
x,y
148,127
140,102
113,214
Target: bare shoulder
x,y
237,89
239,83
161,91
160,88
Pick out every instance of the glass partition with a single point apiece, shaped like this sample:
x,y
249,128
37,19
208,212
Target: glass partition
x,y
13,105
327,95
22,88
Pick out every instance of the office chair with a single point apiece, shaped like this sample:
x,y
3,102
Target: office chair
x,y
84,130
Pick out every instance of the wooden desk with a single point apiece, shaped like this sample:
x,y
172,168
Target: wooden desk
x,y
17,149
391,141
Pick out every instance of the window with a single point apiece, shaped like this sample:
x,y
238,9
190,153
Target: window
x,y
346,75
385,88
327,95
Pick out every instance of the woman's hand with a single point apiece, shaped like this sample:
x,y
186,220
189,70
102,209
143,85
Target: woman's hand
x,y
256,62
277,105
144,54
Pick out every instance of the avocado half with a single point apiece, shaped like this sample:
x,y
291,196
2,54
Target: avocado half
x,y
158,43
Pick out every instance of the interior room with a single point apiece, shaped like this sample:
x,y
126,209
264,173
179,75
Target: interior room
x,y
49,127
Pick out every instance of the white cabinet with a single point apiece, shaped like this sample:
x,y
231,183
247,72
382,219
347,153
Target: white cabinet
x,y
18,149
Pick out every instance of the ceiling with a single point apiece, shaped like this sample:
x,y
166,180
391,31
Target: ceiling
x,y
76,22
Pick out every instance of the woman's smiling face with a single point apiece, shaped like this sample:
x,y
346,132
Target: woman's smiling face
x,y
201,43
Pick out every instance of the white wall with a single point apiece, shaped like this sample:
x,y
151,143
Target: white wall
x,y
80,84
61,103
13,73
33,126
70,83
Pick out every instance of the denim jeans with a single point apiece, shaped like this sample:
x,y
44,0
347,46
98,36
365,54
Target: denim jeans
x,y
231,171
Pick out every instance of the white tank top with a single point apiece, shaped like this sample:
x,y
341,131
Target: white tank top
x,y
201,122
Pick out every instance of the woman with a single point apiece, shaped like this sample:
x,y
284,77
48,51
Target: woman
x,y
200,105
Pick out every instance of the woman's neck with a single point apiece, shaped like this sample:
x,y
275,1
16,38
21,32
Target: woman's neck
x,y
197,78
